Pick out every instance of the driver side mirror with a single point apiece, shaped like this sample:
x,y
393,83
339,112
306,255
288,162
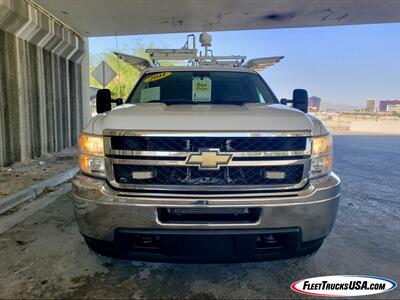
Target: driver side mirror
x,y
104,101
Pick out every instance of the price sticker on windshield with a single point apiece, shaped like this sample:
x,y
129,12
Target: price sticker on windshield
x,y
157,76
201,90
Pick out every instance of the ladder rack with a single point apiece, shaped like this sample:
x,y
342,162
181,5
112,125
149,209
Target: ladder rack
x,y
190,54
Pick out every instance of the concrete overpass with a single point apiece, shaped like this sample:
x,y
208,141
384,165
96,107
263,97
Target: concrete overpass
x,y
44,51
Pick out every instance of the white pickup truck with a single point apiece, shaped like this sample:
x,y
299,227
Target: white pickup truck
x,y
203,163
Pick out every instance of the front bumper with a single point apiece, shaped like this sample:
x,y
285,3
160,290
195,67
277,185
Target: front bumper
x,y
101,210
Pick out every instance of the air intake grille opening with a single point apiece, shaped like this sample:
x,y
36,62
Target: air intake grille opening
x,y
194,176
208,215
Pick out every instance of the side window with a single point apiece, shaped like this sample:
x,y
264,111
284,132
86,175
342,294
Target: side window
x,y
260,97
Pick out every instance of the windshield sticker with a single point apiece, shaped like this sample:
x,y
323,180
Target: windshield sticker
x,y
157,76
150,94
201,90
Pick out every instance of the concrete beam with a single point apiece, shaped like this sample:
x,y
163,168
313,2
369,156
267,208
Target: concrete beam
x,y
42,75
122,17
29,23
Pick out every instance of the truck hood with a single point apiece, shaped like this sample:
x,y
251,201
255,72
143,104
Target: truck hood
x,y
161,117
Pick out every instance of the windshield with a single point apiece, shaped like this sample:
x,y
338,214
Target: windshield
x,y
202,87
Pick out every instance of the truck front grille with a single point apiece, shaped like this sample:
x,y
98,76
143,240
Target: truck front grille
x,y
267,160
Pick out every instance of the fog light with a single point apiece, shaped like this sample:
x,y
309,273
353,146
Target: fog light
x,y
140,175
274,175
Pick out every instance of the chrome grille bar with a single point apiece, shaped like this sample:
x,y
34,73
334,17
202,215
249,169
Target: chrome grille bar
x,y
186,154
300,133
180,163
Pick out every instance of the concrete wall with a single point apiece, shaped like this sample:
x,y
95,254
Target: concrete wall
x,y
40,83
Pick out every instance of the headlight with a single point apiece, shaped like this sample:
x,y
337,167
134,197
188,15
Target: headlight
x,y
321,155
91,155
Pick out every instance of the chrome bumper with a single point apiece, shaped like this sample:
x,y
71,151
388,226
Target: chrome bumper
x,y
100,210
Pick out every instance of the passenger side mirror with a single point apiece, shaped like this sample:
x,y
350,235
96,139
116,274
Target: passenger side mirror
x,y
104,101
300,100
285,101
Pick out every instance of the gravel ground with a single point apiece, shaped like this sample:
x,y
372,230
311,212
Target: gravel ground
x,y
45,256
21,175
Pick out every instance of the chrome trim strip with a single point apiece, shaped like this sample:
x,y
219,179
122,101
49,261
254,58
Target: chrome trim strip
x,y
183,195
114,132
179,163
107,145
186,154
167,196
201,188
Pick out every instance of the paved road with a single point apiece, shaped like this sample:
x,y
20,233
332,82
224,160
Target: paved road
x,y
44,255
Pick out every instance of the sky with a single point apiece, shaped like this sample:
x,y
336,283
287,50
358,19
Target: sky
x,y
342,64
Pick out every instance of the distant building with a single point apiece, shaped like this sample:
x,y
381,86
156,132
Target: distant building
x,y
370,107
314,103
393,108
383,104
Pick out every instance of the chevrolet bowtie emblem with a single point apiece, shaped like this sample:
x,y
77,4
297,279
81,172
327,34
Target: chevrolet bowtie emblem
x,y
209,159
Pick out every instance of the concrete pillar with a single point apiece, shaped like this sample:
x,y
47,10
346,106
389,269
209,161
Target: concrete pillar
x,y
24,137
43,83
87,114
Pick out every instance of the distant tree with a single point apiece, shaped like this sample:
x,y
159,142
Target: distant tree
x,y
127,75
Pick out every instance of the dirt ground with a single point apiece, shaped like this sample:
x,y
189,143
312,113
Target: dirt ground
x,y
21,175
355,123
